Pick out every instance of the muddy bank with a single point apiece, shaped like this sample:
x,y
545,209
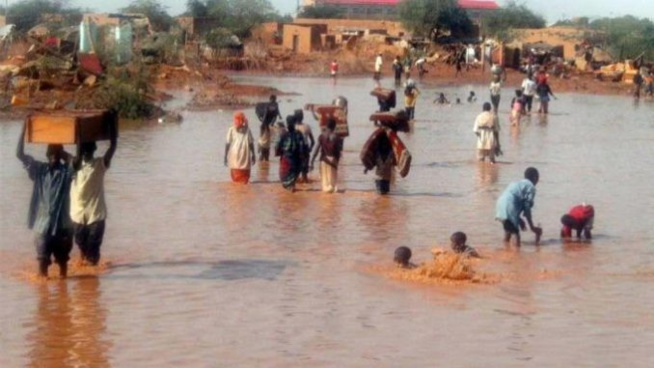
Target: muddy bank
x,y
212,89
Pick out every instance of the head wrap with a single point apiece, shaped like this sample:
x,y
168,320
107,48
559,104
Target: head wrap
x,y
240,120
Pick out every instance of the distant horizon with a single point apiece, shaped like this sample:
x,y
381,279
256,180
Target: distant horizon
x,y
551,10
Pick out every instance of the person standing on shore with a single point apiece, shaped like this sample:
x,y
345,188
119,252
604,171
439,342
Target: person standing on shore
x,y
528,91
470,56
49,214
291,150
239,149
408,63
397,70
517,200
495,90
329,147
88,209
638,84
458,65
378,65
420,65
487,128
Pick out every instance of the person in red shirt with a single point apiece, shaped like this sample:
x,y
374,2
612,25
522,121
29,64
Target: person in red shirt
x,y
541,76
579,218
333,68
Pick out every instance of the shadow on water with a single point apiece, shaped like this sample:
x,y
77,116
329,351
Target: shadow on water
x,y
228,270
571,242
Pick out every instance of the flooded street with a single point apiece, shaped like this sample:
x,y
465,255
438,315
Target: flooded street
x,y
206,273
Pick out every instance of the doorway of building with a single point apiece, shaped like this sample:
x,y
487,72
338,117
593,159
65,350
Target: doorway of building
x,y
296,42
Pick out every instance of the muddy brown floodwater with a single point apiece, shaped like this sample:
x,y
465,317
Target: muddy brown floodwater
x,y
206,273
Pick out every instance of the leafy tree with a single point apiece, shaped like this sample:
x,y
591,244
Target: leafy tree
x,y
159,18
627,36
456,20
247,14
197,8
321,12
430,18
238,16
581,22
513,15
27,14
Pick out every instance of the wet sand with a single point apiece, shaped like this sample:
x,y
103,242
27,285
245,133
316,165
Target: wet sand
x,y
208,273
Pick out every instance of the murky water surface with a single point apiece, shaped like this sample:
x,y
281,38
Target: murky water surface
x,y
207,273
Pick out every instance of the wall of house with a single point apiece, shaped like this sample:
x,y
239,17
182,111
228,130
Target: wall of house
x,y
356,11
304,35
566,37
339,25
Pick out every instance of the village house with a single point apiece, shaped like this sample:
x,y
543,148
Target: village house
x,y
387,9
303,38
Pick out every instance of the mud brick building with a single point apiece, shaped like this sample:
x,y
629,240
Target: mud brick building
x,y
387,9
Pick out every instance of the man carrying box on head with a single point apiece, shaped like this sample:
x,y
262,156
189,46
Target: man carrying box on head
x,y
48,212
87,205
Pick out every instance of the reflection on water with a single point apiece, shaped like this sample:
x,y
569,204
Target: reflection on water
x,y
228,270
68,325
211,273
487,174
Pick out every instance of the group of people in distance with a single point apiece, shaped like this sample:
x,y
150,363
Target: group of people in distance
x,y
514,204
294,147
68,201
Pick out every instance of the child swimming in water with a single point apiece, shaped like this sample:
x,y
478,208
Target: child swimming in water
x,y
402,257
459,246
472,97
441,99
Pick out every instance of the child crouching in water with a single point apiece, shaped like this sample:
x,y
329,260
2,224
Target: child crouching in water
x,y
459,246
579,218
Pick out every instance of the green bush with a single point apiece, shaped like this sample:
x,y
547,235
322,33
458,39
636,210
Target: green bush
x,y
126,90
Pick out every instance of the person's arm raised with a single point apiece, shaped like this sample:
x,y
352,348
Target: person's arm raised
x,y
113,139
20,148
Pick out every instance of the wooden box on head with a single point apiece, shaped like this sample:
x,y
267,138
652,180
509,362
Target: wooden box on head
x,y
69,127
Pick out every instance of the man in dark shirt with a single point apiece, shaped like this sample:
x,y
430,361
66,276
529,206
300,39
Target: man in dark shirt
x,y
267,118
49,215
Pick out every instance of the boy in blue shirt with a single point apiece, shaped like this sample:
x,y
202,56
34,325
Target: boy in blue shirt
x,y
516,200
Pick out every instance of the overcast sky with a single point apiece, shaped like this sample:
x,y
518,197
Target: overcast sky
x,y
552,10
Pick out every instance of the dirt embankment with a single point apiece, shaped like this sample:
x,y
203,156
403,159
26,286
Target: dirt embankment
x,y
213,90
218,91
